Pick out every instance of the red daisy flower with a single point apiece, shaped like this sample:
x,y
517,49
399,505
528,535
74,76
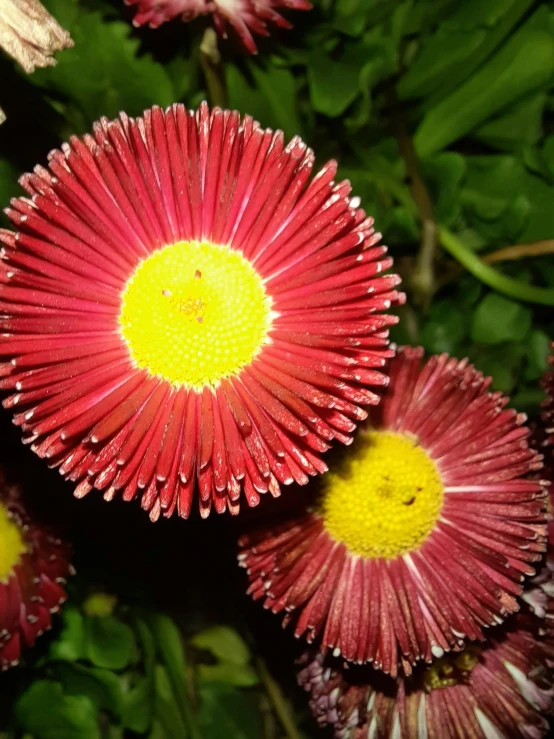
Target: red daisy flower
x,y
246,17
502,689
423,536
181,306
33,568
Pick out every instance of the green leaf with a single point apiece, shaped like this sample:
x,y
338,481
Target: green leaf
x,y
266,93
138,706
103,73
524,64
497,319
467,36
8,183
101,686
109,643
224,643
503,364
517,127
243,676
46,713
69,645
167,709
170,646
334,83
538,349
505,202
445,172
445,328
227,712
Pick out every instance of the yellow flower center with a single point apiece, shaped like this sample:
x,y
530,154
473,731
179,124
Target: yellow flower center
x,y
12,545
385,499
194,313
450,669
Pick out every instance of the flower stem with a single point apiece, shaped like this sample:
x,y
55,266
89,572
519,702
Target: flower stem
x,y
490,276
214,73
278,701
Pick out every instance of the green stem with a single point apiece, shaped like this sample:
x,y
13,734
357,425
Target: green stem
x,y
278,701
490,276
214,73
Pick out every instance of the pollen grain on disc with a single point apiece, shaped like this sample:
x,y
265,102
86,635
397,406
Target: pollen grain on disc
x,y
194,313
386,498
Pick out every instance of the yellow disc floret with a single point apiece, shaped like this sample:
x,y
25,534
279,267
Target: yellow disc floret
x,y
12,545
385,499
451,669
194,313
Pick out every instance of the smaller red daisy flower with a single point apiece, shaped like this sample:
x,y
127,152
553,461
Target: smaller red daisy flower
x,y
503,689
33,569
423,536
246,17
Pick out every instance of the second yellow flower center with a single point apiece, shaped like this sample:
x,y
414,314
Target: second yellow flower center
x,y
386,498
194,313
12,545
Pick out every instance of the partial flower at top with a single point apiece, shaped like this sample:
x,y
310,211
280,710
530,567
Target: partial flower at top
x,y
421,538
182,308
29,34
246,17
34,566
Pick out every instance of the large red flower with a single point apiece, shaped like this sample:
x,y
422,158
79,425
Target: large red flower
x,y
34,566
501,689
246,17
181,306
422,537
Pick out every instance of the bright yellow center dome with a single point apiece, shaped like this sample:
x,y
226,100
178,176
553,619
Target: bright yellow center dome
x,y
12,545
385,499
194,313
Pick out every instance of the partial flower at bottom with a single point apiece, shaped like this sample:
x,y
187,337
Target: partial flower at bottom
x,y
499,690
422,536
246,17
185,314
34,566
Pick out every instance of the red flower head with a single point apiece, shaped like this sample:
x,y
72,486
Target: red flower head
x,y
246,17
182,306
501,689
423,535
33,568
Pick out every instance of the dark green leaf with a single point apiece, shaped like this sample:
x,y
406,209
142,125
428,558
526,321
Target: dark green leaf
x,y
69,645
524,64
538,345
109,642
46,713
243,676
224,643
101,686
269,96
138,706
167,709
227,712
497,319
444,329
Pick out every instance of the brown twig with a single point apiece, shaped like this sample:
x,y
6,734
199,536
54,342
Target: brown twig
x,y
520,251
422,281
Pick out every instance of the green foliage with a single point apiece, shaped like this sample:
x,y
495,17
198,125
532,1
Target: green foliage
x,y
128,671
